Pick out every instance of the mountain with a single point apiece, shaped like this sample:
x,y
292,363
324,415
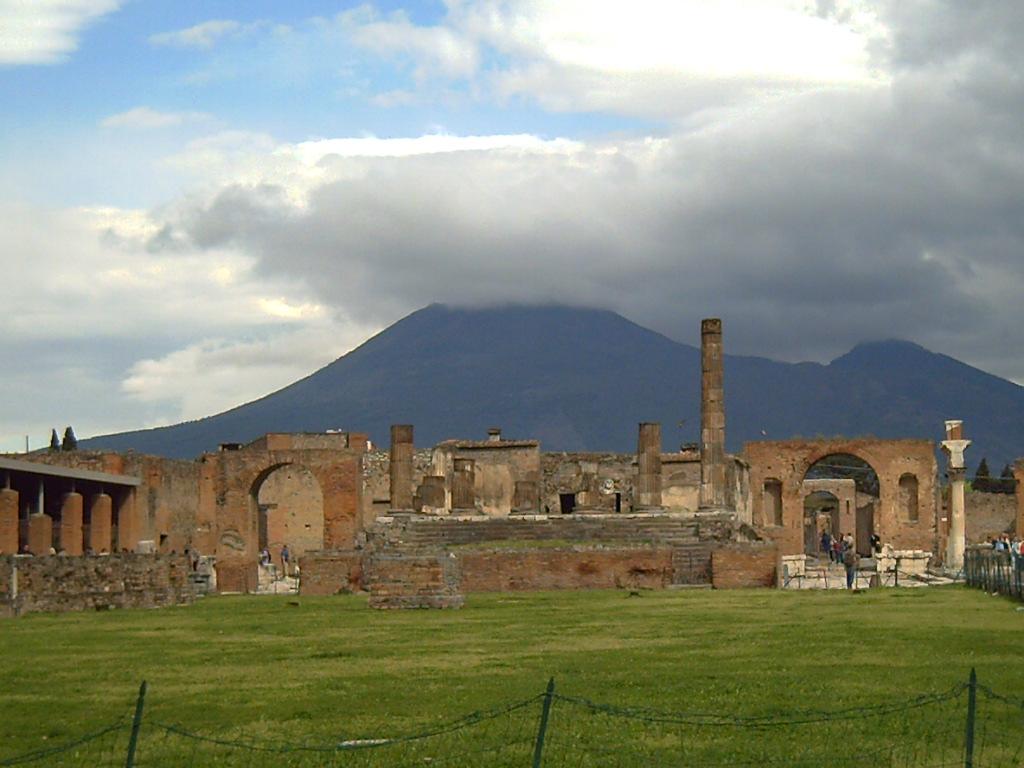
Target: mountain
x,y
581,379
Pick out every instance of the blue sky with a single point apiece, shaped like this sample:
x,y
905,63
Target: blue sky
x,y
202,202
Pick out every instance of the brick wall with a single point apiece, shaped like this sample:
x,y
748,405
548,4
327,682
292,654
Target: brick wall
x,y
406,580
495,570
735,567
59,584
330,573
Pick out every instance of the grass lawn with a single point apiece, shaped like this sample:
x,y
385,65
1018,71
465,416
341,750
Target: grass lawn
x,y
323,669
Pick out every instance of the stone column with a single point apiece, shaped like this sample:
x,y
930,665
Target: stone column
x,y
127,524
40,534
463,490
648,465
8,521
100,512
70,531
712,417
400,469
954,446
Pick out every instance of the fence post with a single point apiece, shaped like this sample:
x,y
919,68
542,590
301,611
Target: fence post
x,y
538,749
972,701
133,740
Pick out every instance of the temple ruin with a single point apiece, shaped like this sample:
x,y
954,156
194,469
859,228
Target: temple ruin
x,y
496,513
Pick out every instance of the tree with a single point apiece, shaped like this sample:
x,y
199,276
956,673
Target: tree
x,y
70,442
54,441
1007,482
982,478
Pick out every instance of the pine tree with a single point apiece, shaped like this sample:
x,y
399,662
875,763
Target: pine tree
x,y
982,478
54,441
70,442
1007,481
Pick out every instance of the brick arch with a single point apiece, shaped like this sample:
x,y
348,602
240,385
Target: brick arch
x,y
790,460
299,542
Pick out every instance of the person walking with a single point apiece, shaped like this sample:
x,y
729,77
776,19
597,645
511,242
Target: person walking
x,y
826,544
285,557
851,560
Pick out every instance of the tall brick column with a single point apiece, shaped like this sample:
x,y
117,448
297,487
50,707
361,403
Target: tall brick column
x,y
128,533
954,446
400,469
8,521
463,490
100,512
40,534
70,530
648,465
712,416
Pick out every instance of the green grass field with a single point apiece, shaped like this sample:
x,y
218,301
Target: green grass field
x,y
269,670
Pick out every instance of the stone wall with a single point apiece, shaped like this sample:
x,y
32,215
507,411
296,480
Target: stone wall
x,y
736,567
58,584
331,573
986,514
496,570
403,580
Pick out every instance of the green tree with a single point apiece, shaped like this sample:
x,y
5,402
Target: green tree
x,y
70,442
54,441
982,478
1007,482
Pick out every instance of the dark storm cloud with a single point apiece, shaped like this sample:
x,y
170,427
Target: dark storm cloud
x,y
810,222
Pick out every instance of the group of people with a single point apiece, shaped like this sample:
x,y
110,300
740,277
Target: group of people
x,y
1005,544
265,559
840,550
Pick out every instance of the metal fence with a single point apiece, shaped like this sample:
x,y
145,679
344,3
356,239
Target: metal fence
x,y
996,572
967,725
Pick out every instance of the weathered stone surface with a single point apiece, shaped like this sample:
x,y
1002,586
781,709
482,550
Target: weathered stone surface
x,y
648,465
58,584
8,521
408,580
750,565
400,466
331,572
69,533
40,534
712,416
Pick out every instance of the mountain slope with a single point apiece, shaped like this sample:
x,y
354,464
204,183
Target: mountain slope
x,y
581,379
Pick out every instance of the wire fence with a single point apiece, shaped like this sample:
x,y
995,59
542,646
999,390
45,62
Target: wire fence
x,y
994,571
969,725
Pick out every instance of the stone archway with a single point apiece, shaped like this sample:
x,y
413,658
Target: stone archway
x,y
856,486
289,509
821,515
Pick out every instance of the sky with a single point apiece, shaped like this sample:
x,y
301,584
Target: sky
x,y
201,202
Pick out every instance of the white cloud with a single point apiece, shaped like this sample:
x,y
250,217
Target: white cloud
x,y
46,31
148,118
664,58
215,374
204,35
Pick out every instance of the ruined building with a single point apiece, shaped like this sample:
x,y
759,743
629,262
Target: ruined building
x,y
493,513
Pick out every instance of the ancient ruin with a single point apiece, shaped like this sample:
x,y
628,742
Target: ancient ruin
x,y
423,526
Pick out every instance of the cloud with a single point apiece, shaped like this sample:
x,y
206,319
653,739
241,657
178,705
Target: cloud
x,y
652,58
812,219
146,118
80,326
204,35
46,31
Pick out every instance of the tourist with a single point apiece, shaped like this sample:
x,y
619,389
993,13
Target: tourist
x,y
876,543
837,549
285,556
826,543
265,558
851,560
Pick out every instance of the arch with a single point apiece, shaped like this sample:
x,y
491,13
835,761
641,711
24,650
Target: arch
x,y
821,515
857,508
772,496
909,503
287,506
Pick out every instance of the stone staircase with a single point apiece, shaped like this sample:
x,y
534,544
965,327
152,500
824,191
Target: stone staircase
x,y
422,532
